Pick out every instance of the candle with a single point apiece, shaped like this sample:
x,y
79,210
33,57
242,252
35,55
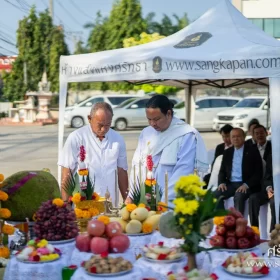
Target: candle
x,y
166,187
140,173
134,176
116,189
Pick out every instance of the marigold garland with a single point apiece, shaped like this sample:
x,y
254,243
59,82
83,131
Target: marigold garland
x,y
219,220
93,211
130,207
4,252
3,196
58,202
76,198
83,172
1,178
104,219
255,230
147,227
150,183
7,229
5,213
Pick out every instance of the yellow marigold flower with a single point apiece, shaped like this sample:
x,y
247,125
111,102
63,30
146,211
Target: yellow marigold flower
x,y
147,227
130,207
42,243
5,213
162,207
219,220
186,207
93,211
86,214
190,226
58,202
78,213
141,205
188,231
3,196
76,198
7,229
83,172
2,177
256,230
4,252
190,184
150,183
104,219
181,221
95,196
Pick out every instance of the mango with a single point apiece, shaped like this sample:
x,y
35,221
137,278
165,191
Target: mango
x,y
133,227
153,220
139,214
125,214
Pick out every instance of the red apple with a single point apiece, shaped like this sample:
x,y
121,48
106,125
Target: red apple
x,y
99,245
113,229
83,242
95,228
230,233
231,242
220,229
119,243
217,241
249,232
230,221
243,243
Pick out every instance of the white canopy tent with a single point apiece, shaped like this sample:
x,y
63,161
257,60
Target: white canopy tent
x,y
221,49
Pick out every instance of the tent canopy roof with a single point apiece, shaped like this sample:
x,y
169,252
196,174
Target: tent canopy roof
x,y
221,44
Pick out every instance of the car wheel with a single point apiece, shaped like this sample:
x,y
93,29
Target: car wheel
x,y
121,124
77,122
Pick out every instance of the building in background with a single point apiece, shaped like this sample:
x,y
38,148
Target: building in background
x,y
6,63
263,13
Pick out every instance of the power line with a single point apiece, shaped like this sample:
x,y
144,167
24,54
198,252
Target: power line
x,y
7,50
69,14
16,6
81,11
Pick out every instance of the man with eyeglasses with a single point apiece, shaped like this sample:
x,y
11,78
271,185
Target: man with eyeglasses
x,y
105,151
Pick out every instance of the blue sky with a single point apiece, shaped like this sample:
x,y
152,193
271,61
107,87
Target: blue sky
x,y
73,14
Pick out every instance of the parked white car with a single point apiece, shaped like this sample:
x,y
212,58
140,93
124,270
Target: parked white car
x,y
132,113
251,107
206,109
76,116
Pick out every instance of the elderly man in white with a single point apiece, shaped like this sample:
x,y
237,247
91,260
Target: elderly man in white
x,y
105,153
176,147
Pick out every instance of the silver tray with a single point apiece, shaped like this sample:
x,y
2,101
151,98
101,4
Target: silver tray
x,y
108,274
243,275
236,250
30,262
61,241
164,261
139,234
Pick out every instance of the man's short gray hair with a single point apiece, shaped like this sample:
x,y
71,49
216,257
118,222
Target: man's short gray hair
x,y
100,105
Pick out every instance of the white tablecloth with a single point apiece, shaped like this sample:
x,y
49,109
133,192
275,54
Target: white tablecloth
x,y
273,275
78,257
136,274
138,242
16,270
161,268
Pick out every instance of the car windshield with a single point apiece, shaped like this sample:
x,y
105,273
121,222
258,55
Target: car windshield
x,y
250,103
126,102
76,104
179,105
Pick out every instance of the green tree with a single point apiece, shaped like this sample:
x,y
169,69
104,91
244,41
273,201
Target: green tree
x,y
58,47
125,21
36,35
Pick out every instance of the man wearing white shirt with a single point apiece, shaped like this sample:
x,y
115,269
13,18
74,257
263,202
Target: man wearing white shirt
x,y
105,153
176,148
241,171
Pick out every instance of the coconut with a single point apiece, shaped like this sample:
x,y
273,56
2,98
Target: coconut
x,y
27,190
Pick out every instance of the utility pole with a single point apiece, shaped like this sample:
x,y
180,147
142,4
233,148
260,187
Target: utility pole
x,y
51,9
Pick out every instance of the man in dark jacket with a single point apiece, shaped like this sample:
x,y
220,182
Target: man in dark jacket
x,y
241,171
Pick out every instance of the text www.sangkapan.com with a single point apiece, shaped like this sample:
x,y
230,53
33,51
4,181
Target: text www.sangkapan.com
x,y
270,263
220,65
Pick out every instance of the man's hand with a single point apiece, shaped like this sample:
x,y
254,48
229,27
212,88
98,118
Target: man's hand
x,y
222,187
128,200
242,189
270,193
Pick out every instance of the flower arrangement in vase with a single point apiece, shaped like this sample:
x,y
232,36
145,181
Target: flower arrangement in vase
x,y
5,229
192,207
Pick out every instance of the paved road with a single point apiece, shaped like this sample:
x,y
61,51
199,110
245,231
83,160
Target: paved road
x,y
35,147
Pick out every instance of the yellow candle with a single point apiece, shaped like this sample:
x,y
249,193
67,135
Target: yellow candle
x,y
166,187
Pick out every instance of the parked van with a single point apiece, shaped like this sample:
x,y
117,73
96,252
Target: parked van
x,y
76,116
